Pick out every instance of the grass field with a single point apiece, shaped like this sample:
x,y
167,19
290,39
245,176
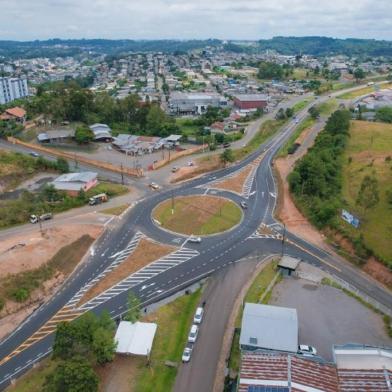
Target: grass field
x,y
268,129
187,127
363,91
199,215
369,147
302,104
174,321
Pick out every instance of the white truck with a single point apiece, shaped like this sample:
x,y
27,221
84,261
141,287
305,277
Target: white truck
x,y
98,199
43,217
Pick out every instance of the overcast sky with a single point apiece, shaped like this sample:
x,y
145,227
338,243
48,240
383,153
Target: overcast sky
x,y
225,19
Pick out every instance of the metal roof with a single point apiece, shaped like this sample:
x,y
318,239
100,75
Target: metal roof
x,y
269,327
289,262
252,97
76,177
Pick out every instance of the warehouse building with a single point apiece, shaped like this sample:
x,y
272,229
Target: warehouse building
x,y
194,103
251,101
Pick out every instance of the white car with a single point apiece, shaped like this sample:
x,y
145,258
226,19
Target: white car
x,y
194,239
190,163
155,186
306,350
193,334
197,319
186,355
244,205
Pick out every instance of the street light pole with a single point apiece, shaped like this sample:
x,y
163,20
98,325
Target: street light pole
x,y
283,237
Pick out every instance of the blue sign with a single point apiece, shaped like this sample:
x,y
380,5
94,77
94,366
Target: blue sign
x,y
351,219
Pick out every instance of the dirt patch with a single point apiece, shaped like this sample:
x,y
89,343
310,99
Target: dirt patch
x,y
379,271
29,251
119,375
287,211
236,182
203,165
145,253
199,215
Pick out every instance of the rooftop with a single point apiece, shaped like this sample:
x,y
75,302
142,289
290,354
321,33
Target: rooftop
x,y
269,327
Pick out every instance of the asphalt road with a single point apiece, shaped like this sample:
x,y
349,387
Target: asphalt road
x,y
213,254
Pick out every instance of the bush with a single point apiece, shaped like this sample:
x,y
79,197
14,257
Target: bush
x,y
21,294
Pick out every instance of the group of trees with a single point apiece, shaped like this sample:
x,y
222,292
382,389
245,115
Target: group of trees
x,y
317,178
79,345
70,102
269,70
284,114
384,114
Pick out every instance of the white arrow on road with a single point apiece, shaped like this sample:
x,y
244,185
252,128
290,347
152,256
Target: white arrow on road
x,y
146,285
272,194
252,193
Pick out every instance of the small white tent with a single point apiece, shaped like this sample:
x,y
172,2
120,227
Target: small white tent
x,y
135,338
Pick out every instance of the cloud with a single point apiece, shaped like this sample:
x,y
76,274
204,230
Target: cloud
x,y
155,19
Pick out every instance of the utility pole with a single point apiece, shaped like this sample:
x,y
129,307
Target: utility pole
x,y
283,237
172,202
122,175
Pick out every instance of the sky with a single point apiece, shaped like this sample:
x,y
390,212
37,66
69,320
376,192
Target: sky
x,y
199,19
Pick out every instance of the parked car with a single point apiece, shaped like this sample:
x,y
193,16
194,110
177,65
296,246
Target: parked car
x,y
34,154
186,355
197,319
174,169
194,239
193,334
306,350
244,205
190,163
155,186
226,145
43,217
98,199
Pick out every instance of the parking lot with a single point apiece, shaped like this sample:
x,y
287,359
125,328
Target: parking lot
x,y
328,316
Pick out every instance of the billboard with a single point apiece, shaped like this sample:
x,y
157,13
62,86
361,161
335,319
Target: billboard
x,y
351,219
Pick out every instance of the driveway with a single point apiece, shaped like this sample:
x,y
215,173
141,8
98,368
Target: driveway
x,y
220,295
328,316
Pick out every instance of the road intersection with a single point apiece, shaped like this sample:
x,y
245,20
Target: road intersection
x,y
32,340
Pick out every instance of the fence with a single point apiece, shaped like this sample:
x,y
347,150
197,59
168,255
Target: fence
x,y
72,156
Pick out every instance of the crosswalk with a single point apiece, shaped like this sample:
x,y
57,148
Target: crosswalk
x,y
272,232
157,267
118,259
257,235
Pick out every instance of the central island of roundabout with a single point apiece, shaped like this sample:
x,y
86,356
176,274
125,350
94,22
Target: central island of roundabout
x,y
197,214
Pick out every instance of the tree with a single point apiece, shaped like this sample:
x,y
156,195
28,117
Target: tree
x,y
72,375
62,165
66,336
84,135
268,70
289,112
133,304
280,115
219,138
359,74
368,195
384,114
314,111
389,196
103,345
227,156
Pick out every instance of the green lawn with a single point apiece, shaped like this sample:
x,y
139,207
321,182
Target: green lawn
x,y
267,129
327,108
187,127
369,146
199,215
174,321
363,91
302,104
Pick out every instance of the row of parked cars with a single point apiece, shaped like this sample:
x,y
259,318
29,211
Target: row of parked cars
x,y
193,333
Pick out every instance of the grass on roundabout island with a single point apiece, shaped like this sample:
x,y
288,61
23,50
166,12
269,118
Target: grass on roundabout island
x,y
198,215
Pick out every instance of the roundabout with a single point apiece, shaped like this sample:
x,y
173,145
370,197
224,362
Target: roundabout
x,y
197,214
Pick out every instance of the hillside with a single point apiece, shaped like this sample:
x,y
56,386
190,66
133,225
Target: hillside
x,y
369,153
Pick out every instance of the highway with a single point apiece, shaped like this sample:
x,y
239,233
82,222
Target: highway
x,y
191,262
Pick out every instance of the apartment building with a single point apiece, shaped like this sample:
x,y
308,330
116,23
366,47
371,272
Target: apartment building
x,y
12,88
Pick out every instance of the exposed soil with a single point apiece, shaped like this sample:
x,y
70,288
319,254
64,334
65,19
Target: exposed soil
x,y
203,165
379,271
118,376
235,183
146,252
28,251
